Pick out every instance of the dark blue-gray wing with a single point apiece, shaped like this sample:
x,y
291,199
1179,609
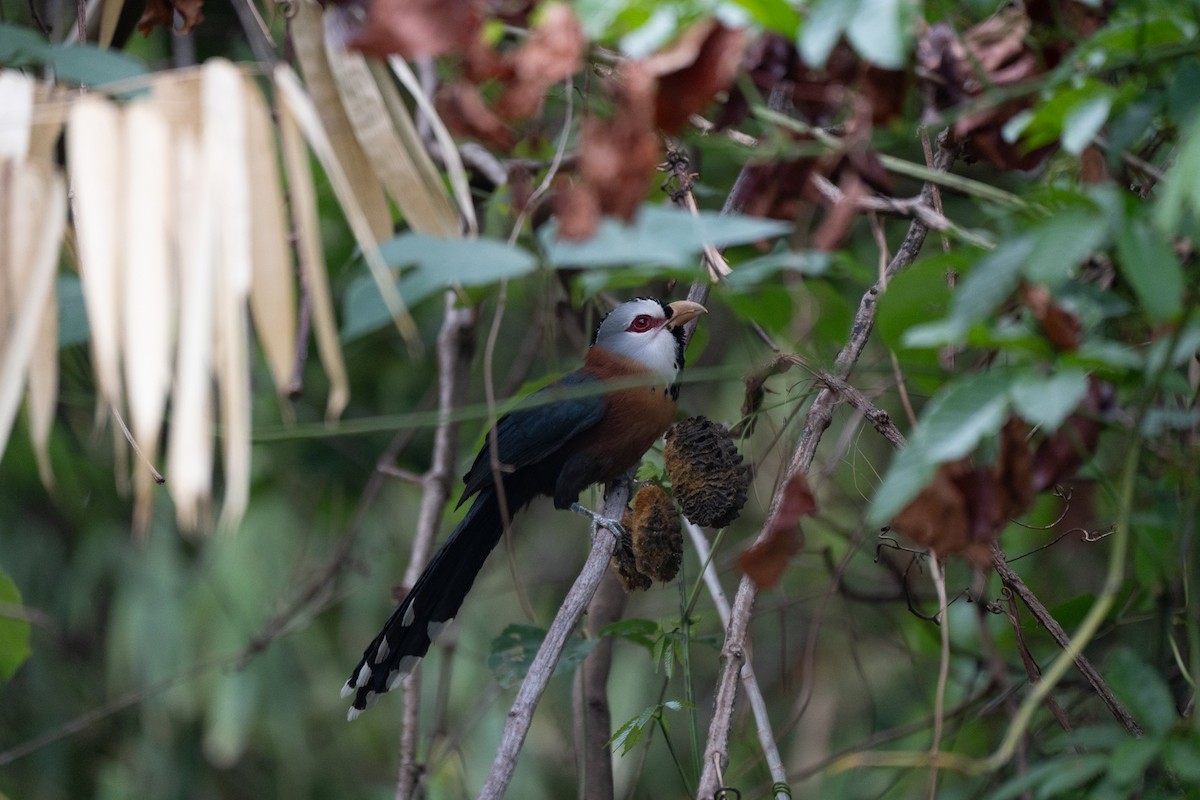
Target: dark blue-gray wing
x,y
539,426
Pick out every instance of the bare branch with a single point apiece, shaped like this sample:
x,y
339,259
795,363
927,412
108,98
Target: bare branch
x,y
538,677
455,345
818,419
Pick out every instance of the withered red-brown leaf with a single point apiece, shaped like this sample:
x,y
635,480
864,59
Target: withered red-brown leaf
x,y
937,517
578,212
553,51
765,561
410,28
963,508
464,112
691,72
617,156
1060,455
161,13
1060,327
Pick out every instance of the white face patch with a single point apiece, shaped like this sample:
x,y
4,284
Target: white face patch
x,y
656,349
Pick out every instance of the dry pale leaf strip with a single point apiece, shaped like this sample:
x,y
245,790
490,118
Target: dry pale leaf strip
x,y
190,440
224,146
308,39
41,398
161,14
766,560
34,227
374,121
272,285
303,199
96,161
451,158
148,291
426,203
305,117
16,98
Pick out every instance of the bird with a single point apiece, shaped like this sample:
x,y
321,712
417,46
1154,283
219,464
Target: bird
x,y
558,442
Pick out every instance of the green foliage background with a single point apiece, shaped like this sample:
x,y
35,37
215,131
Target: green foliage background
x,y
171,667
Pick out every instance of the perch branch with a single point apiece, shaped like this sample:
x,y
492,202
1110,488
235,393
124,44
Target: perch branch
x,y
534,686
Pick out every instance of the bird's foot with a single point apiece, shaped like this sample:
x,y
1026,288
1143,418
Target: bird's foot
x,y
612,525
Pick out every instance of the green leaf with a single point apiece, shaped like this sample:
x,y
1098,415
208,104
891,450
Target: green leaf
x,y
1130,760
439,264
879,32
776,15
88,65
72,314
1072,773
658,235
82,64
21,47
1048,400
1060,245
642,632
14,633
1142,689
993,279
1180,190
513,651
1084,120
629,734
1182,756
823,26
951,425
1149,264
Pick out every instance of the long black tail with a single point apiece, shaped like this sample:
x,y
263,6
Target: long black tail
x,y
431,604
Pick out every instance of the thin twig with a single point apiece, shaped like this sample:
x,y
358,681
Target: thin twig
x,y
762,719
455,346
1013,581
817,420
939,697
158,477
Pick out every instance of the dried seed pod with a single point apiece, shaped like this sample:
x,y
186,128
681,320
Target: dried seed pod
x,y
656,534
706,471
624,562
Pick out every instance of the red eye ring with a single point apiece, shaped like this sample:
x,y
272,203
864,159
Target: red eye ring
x,y
641,323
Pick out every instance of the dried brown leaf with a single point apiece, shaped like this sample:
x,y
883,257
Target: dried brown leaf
x,y
1060,327
765,561
161,14
553,52
409,28
691,72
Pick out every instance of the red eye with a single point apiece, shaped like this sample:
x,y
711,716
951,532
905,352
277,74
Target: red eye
x,y
641,323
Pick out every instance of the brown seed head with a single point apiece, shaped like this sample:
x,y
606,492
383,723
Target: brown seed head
x,y
706,471
656,534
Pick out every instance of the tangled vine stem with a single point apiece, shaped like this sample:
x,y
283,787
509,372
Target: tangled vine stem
x,y
817,420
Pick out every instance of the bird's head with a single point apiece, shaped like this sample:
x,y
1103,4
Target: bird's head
x,y
648,331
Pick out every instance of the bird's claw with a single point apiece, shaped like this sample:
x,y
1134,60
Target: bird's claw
x,y
612,525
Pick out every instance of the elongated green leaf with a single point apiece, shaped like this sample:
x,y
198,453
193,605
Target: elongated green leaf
x,y
514,649
14,633
439,264
951,426
1148,262
658,235
879,32
822,27
1047,400
1084,120
1061,244
1141,688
